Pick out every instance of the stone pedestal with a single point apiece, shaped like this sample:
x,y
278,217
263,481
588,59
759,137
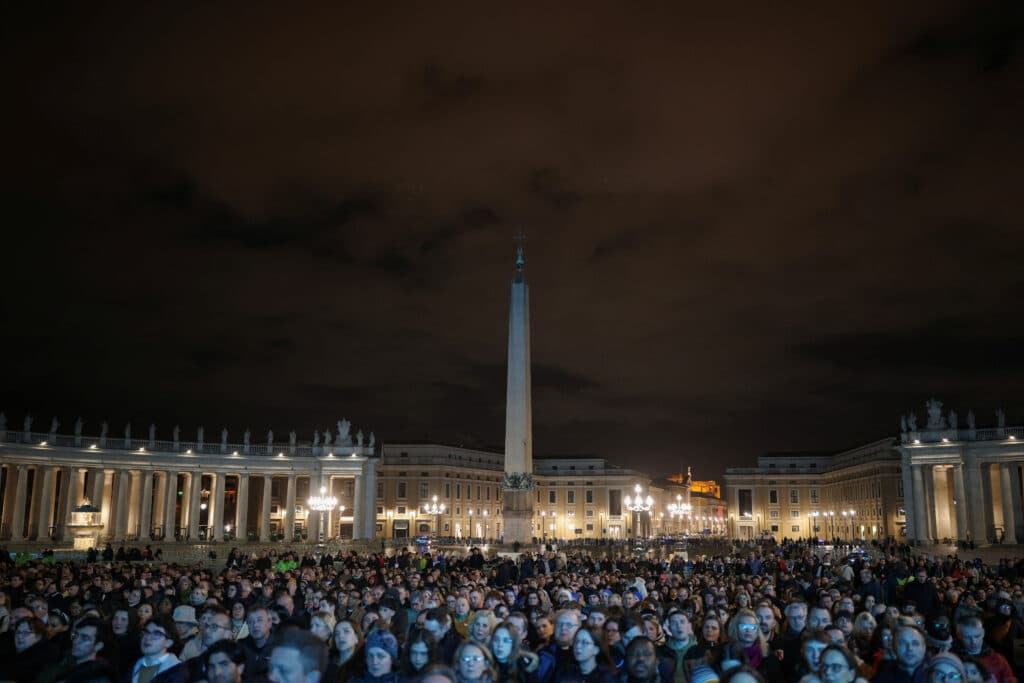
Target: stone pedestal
x,y
517,516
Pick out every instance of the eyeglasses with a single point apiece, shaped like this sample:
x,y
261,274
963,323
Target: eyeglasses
x,y
472,658
947,676
748,627
836,668
81,636
153,633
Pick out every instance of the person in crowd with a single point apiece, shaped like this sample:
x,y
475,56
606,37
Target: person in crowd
x,y
418,653
158,663
474,663
971,642
512,662
297,657
381,656
224,662
910,645
837,665
346,658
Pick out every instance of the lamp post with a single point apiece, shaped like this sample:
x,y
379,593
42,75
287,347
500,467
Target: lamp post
x,y
322,504
341,513
436,509
638,505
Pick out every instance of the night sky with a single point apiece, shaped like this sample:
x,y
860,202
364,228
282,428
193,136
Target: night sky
x,y
750,229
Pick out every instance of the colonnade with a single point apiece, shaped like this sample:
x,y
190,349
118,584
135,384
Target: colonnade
x,y
965,499
179,497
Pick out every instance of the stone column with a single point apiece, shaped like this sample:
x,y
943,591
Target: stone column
x,y
134,504
96,482
930,504
357,509
974,503
312,516
370,500
289,509
959,491
170,504
920,520
217,508
265,509
329,517
906,474
120,511
146,517
36,496
1018,514
46,503
20,498
194,498
10,493
1006,481
242,509
988,499
70,486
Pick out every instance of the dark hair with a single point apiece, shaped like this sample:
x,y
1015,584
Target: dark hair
x,y
231,648
167,625
312,651
94,671
851,661
597,635
418,634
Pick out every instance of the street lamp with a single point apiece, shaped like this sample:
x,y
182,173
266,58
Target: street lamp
x,y
322,504
436,509
638,505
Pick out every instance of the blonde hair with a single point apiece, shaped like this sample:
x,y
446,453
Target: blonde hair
x,y
734,629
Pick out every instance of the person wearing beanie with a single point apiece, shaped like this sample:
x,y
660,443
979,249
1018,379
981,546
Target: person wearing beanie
x,y
703,674
381,650
946,666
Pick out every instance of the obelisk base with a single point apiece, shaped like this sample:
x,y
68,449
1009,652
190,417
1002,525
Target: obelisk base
x,y
517,515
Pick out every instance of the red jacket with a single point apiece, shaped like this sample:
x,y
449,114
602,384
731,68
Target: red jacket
x,y
997,666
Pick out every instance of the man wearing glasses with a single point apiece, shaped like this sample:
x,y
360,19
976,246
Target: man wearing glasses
x,y
86,643
157,663
217,627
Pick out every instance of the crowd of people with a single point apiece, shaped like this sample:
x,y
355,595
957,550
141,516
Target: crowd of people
x,y
789,613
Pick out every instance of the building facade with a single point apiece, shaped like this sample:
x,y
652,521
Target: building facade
x,y
853,494
573,497
178,491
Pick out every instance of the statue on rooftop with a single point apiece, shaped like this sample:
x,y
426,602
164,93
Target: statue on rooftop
x,y
952,419
246,435
104,428
28,427
935,419
912,422
1000,418
344,427
359,438
373,440
327,439
292,438
316,438
270,441
54,425
152,434
176,435
199,437
128,435
903,423
224,440
78,427
970,419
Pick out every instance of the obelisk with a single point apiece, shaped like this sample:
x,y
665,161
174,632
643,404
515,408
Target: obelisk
x,y
517,488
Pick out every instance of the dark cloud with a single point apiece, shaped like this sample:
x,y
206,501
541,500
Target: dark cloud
x,y
779,244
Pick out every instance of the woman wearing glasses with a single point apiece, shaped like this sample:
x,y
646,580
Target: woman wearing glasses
x,y
745,633
837,665
473,663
